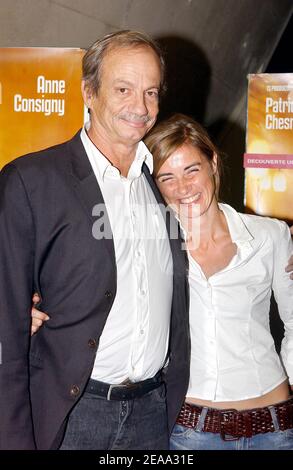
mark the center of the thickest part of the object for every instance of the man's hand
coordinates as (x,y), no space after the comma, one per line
(38,317)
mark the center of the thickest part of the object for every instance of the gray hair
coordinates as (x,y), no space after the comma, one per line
(93,58)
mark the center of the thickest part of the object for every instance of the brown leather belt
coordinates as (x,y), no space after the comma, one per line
(233,424)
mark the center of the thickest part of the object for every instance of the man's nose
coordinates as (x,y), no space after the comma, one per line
(139,105)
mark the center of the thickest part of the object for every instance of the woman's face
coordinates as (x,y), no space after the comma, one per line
(186,181)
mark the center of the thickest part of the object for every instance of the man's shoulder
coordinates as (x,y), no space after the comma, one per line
(45,157)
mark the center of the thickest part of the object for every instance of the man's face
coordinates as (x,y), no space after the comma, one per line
(126,105)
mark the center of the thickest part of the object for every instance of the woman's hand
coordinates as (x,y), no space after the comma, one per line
(38,317)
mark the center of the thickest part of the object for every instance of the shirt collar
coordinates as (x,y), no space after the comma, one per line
(104,165)
(237,228)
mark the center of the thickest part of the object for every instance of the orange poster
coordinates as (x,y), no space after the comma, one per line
(269,145)
(40,99)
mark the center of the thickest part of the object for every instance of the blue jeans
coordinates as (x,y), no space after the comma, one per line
(184,438)
(100,424)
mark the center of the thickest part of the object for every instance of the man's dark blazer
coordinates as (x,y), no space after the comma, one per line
(46,245)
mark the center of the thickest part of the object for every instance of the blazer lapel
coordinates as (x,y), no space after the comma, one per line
(172,226)
(87,188)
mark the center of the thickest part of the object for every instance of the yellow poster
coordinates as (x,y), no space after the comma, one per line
(40,99)
(269,145)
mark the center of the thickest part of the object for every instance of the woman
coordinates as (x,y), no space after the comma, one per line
(238,395)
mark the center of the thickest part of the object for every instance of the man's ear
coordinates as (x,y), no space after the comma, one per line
(86,94)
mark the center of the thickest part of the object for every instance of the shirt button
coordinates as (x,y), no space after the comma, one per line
(92,344)
(108,294)
(74,391)
(141,332)
(143,292)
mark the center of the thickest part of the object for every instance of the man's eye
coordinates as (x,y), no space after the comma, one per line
(152,93)
(123,90)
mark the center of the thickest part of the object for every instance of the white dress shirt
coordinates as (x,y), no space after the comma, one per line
(135,338)
(233,356)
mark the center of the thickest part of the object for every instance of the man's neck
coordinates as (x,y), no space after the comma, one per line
(120,155)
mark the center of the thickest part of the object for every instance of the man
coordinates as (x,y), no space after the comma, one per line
(93,377)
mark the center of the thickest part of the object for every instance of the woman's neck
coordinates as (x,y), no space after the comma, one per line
(212,226)
(214,248)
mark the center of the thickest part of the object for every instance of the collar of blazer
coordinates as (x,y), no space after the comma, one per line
(173,229)
(87,189)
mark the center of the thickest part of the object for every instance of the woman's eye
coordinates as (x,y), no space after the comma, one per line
(166,180)
(191,172)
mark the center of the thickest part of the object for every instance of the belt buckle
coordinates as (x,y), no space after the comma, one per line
(126,384)
(111,387)
(224,420)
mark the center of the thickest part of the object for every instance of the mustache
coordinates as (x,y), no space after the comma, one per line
(132,117)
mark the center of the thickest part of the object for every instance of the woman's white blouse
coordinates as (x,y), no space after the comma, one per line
(233,356)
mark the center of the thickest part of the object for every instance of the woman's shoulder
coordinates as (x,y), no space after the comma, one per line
(259,225)
(266,226)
